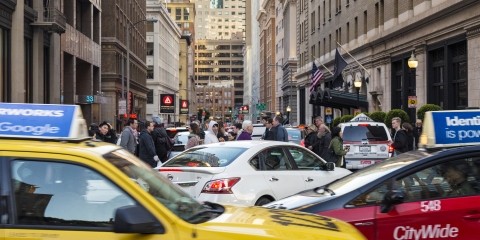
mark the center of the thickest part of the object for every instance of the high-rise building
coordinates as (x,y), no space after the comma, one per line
(163,64)
(50,53)
(219,44)
(124,30)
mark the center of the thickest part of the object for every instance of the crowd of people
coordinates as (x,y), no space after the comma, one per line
(151,143)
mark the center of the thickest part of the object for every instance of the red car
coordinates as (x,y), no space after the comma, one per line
(423,194)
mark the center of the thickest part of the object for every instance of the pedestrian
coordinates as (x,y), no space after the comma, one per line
(311,140)
(211,135)
(247,130)
(106,133)
(201,134)
(318,121)
(324,137)
(163,143)
(268,134)
(193,137)
(128,139)
(279,132)
(222,135)
(237,129)
(146,147)
(336,148)
(399,137)
(417,131)
(410,135)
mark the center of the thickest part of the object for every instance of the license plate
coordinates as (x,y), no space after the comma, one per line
(366,162)
(364,148)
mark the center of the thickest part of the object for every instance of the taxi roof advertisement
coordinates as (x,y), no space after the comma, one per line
(37,120)
(449,128)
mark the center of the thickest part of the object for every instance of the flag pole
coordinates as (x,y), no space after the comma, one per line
(321,64)
(364,69)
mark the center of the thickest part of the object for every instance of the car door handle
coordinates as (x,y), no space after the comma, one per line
(363,224)
(309,179)
(273,179)
(472,217)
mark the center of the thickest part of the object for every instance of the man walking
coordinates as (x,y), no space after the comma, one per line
(399,137)
(146,147)
(128,138)
(279,132)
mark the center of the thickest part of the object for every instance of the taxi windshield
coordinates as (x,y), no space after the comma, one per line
(153,183)
(367,175)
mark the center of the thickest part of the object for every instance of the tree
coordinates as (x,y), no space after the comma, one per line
(378,116)
(396,113)
(425,108)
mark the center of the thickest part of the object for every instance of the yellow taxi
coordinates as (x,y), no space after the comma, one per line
(57,183)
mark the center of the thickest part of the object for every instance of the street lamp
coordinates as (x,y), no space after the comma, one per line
(288,113)
(412,64)
(412,61)
(128,56)
(358,84)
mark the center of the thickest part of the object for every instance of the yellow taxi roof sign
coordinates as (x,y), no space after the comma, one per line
(42,121)
(450,128)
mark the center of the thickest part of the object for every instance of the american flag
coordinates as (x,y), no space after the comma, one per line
(316,76)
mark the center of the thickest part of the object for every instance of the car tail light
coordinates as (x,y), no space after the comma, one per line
(220,186)
(169,170)
(390,148)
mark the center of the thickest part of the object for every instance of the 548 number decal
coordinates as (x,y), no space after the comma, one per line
(430,206)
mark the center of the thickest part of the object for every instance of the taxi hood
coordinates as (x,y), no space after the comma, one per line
(300,200)
(272,224)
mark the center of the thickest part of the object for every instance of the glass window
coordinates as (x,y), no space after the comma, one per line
(305,160)
(455,178)
(365,132)
(52,193)
(274,159)
(206,157)
(178,14)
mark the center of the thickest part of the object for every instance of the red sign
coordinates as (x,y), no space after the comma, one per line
(167,103)
(183,106)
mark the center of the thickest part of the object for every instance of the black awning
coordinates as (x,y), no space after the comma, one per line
(338,99)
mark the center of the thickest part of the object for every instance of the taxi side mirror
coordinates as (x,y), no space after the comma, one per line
(329,166)
(391,198)
(136,219)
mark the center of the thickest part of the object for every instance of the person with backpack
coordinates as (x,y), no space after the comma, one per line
(163,143)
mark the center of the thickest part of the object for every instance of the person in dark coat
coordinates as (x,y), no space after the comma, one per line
(106,133)
(399,137)
(311,139)
(163,143)
(417,131)
(410,135)
(324,137)
(268,134)
(146,147)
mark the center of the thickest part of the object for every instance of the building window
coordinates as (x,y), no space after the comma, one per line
(150,96)
(178,14)
(186,14)
(448,84)
(150,74)
(149,48)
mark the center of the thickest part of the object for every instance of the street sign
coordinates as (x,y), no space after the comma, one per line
(328,111)
(183,106)
(122,107)
(412,101)
(167,103)
(328,119)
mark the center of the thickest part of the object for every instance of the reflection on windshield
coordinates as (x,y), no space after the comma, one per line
(367,175)
(159,187)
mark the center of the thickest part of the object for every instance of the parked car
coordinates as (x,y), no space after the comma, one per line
(248,172)
(295,135)
(172,131)
(258,130)
(369,142)
(179,142)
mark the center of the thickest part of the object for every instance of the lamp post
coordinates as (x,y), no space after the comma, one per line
(288,113)
(358,84)
(128,56)
(412,64)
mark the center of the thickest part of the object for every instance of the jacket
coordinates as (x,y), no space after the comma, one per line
(400,141)
(146,148)
(280,133)
(210,136)
(336,146)
(244,136)
(129,140)
(162,143)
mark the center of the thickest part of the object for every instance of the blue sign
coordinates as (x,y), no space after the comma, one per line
(454,127)
(36,120)
(328,119)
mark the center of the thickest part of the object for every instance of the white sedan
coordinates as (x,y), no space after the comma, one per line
(248,172)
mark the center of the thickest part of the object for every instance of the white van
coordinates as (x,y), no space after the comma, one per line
(369,142)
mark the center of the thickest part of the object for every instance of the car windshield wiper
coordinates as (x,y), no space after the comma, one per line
(206,212)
